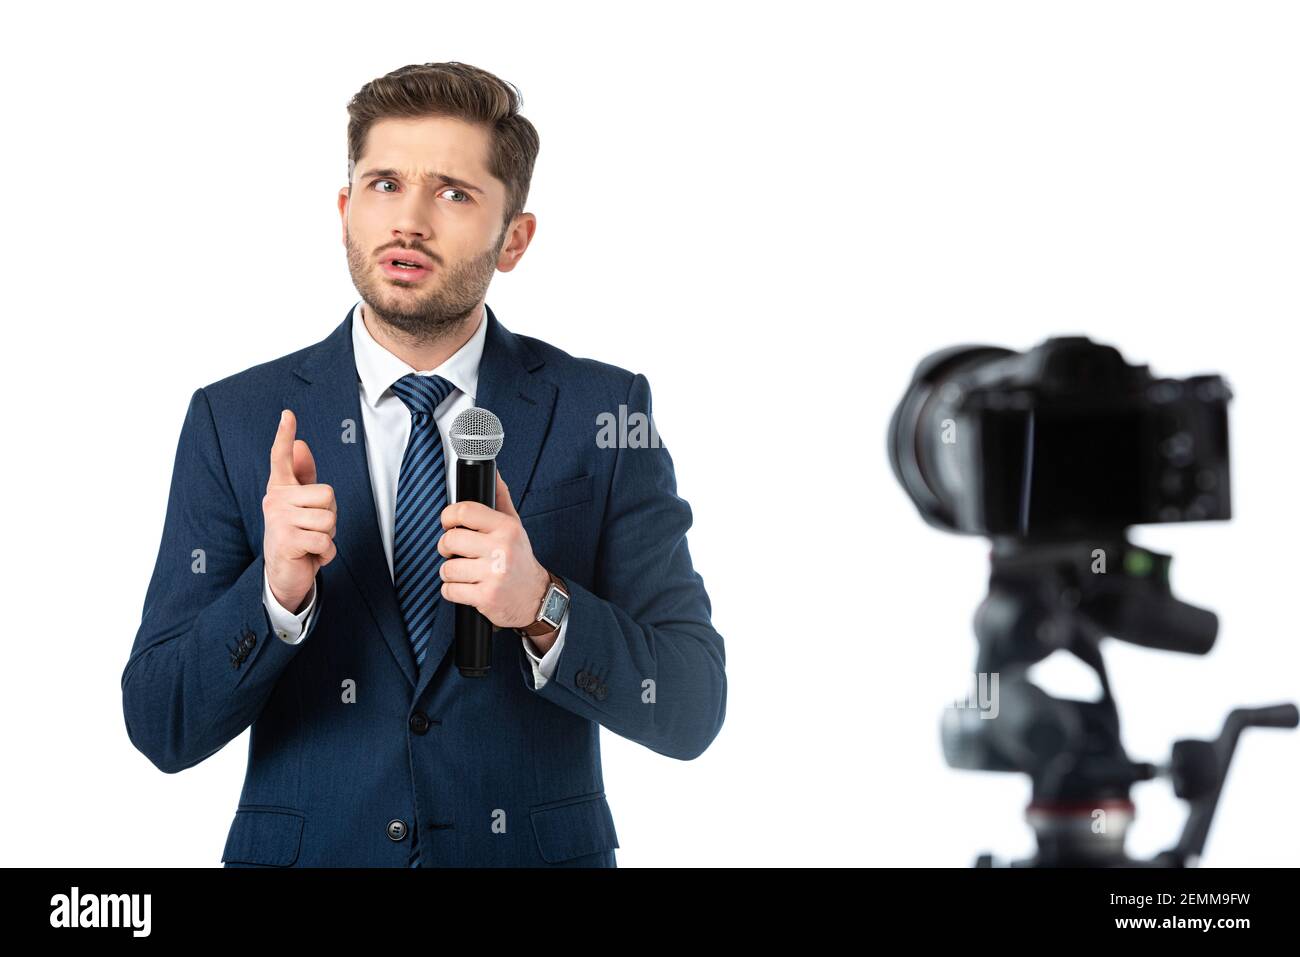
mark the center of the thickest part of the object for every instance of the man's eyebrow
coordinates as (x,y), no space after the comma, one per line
(443,177)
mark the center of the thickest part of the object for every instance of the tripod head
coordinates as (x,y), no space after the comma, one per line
(1066,596)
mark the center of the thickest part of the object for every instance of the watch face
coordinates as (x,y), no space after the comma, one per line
(555,605)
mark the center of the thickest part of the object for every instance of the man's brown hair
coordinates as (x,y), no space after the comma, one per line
(456,90)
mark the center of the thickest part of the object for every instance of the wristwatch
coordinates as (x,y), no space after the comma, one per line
(554,605)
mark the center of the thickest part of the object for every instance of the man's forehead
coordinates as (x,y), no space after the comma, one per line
(433,149)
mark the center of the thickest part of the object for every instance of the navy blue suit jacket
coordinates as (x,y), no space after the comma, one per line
(492,771)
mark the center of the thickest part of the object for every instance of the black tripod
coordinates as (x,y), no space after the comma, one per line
(1045,596)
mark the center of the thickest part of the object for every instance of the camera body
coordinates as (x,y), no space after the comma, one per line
(1059,442)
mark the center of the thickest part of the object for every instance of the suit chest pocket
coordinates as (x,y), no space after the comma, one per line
(552,498)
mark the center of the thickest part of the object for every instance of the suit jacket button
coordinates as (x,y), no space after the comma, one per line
(419,722)
(396,829)
(601,692)
(582,679)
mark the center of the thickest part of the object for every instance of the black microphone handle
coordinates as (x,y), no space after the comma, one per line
(476,481)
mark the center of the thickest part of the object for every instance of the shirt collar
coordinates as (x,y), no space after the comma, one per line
(378,368)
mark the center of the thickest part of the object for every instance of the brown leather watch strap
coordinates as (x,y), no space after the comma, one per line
(539,628)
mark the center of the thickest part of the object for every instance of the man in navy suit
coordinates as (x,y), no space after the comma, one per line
(368,747)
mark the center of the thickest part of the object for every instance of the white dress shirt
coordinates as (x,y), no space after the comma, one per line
(387,422)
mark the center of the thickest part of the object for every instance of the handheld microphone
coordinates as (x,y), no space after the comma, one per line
(476,438)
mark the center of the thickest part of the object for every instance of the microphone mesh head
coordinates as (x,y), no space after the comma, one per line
(476,434)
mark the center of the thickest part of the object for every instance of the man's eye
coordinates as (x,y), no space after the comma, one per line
(459,192)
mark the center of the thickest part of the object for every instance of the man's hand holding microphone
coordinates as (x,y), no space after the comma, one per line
(300,518)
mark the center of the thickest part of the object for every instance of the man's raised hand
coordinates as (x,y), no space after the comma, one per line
(300,518)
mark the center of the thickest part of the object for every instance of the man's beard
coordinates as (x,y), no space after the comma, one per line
(424,315)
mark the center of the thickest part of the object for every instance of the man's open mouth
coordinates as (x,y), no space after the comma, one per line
(404,268)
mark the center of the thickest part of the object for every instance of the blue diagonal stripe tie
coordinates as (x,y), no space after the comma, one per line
(417,527)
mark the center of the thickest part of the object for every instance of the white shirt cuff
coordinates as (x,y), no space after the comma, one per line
(289,627)
(544,667)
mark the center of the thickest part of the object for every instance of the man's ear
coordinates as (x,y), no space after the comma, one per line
(344,195)
(518,235)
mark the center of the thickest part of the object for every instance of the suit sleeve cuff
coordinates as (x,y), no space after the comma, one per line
(290,628)
(544,666)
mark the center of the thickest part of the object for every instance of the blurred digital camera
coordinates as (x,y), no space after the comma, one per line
(1063,441)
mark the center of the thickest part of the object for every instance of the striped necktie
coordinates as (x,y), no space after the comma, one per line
(421,497)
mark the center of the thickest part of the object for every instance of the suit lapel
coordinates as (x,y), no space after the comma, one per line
(325,395)
(328,396)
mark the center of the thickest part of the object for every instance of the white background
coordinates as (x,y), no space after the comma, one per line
(773,211)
